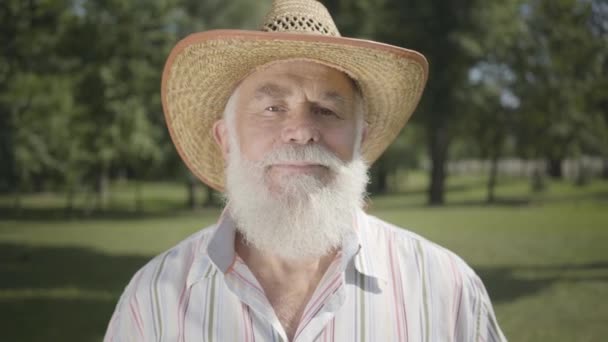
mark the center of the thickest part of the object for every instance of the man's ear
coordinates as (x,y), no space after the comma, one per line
(220,134)
(364,133)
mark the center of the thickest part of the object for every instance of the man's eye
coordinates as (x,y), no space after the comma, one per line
(325,112)
(274,109)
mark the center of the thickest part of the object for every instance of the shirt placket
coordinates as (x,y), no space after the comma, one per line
(329,296)
(245,286)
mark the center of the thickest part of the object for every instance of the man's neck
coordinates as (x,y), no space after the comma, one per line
(276,266)
(288,284)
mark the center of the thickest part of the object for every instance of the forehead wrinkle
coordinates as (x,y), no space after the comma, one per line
(335,97)
(272,90)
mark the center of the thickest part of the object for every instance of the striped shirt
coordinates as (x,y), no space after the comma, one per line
(386,284)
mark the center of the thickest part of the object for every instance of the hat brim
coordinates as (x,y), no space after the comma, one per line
(204,68)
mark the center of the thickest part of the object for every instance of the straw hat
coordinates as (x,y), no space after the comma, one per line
(204,68)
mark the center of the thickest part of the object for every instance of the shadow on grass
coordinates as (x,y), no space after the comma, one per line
(404,201)
(400,202)
(60,293)
(449,188)
(507,283)
(497,202)
(514,201)
(55,214)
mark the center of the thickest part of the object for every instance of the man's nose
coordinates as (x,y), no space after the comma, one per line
(300,128)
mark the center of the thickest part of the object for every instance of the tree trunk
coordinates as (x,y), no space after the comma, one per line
(582,178)
(381,182)
(438,155)
(554,167)
(139,205)
(492,179)
(605,169)
(38,184)
(101,189)
(380,178)
(19,187)
(538,181)
(17,201)
(210,199)
(191,188)
(69,202)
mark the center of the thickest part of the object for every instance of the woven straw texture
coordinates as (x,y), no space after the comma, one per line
(299,16)
(203,70)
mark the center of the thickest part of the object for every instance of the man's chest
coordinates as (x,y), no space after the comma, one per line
(289,306)
(358,311)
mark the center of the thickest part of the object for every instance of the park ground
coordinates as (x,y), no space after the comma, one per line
(543,256)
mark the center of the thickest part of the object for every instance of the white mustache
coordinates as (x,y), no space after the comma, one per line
(312,154)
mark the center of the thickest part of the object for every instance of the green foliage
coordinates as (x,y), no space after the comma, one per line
(80,99)
(83,100)
(514,76)
(438,29)
(41,118)
(559,63)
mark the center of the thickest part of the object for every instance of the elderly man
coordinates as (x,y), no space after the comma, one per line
(286,121)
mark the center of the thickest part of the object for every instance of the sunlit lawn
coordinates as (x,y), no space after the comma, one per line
(543,257)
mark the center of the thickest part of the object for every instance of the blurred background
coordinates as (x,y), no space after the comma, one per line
(505,161)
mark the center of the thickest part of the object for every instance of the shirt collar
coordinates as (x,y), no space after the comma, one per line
(370,258)
(219,251)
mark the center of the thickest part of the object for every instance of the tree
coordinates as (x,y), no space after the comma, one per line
(558,64)
(435,28)
(35,97)
(490,108)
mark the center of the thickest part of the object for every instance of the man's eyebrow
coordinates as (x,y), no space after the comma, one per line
(272,90)
(335,97)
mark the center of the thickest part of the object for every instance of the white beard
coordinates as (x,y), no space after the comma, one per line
(307,216)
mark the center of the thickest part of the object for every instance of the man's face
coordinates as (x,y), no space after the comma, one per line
(290,141)
(294,103)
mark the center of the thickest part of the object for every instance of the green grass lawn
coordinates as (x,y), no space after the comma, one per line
(543,257)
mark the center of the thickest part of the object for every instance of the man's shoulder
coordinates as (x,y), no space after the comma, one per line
(444,280)
(401,237)
(409,244)
(171,267)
